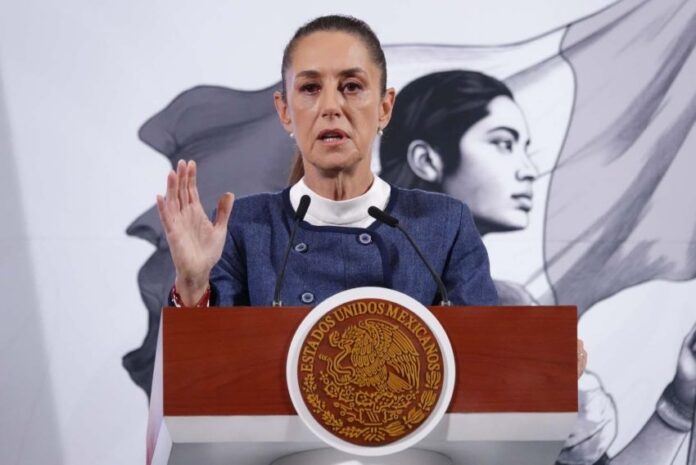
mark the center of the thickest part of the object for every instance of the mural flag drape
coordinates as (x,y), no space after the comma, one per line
(621,203)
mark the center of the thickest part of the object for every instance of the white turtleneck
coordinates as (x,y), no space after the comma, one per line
(346,213)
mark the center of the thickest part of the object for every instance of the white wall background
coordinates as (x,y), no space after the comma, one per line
(77,79)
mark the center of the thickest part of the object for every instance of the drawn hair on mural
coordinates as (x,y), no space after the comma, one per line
(438,109)
(462,133)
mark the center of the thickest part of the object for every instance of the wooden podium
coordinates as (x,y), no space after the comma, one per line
(219,393)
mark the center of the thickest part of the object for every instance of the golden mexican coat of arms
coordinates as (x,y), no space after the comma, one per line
(370,371)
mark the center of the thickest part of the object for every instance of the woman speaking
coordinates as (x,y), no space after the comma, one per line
(333,102)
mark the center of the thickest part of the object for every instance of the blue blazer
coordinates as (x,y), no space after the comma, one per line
(329,259)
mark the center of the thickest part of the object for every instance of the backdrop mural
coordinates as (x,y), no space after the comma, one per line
(567,127)
(614,113)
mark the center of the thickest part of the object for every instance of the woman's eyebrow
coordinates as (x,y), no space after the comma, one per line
(312,73)
(515,134)
(352,71)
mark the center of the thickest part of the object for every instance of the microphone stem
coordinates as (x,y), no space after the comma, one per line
(443,292)
(281,273)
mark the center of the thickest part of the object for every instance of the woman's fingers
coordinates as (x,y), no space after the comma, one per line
(184,220)
(172,196)
(224,209)
(180,183)
(181,186)
(163,214)
(182,175)
(192,182)
(193,241)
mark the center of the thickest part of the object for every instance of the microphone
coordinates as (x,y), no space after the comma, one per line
(299,216)
(389,220)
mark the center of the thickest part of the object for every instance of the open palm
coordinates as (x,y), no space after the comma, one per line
(195,242)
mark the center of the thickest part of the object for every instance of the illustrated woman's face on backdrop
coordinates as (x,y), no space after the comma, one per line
(334,103)
(495,175)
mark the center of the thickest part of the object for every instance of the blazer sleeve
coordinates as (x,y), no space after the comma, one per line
(228,279)
(467,274)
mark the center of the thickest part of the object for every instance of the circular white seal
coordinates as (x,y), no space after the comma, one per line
(296,384)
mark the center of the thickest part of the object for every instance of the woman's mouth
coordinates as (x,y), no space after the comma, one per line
(332,137)
(524,201)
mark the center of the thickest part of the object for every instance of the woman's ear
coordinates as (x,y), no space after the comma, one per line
(386,107)
(424,161)
(281,106)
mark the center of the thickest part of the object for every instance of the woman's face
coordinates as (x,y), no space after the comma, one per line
(495,175)
(334,105)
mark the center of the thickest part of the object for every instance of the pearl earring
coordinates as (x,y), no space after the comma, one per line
(292,135)
(380,131)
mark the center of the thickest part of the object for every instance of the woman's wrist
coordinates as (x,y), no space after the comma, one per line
(205,300)
(190,290)
(673,412)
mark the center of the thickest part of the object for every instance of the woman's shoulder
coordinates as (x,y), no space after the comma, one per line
(261,198)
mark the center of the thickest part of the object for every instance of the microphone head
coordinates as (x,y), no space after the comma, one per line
(302,208)
(382,217)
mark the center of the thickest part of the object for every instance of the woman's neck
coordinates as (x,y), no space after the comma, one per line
(342,186)
(345,213)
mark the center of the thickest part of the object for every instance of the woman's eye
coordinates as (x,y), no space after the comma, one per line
(351,87)
(309,88)
(503,145)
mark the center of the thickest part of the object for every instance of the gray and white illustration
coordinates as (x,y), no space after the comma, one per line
(575,147)
(461,132)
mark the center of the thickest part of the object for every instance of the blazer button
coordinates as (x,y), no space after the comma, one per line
(307,297)
(365,239)
(301,247)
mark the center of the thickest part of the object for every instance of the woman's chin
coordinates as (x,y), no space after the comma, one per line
(511,221)
(334,163)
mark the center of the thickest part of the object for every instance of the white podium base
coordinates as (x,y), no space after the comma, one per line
(336,457)
(468,439)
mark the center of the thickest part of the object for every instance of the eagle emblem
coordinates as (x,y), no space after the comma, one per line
(379,356)
(370,372)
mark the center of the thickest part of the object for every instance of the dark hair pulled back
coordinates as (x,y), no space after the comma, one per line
(437,108)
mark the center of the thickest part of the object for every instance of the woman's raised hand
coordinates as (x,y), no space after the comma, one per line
(194,241)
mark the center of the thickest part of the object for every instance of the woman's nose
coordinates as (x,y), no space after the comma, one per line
(526,170)
(330,103)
